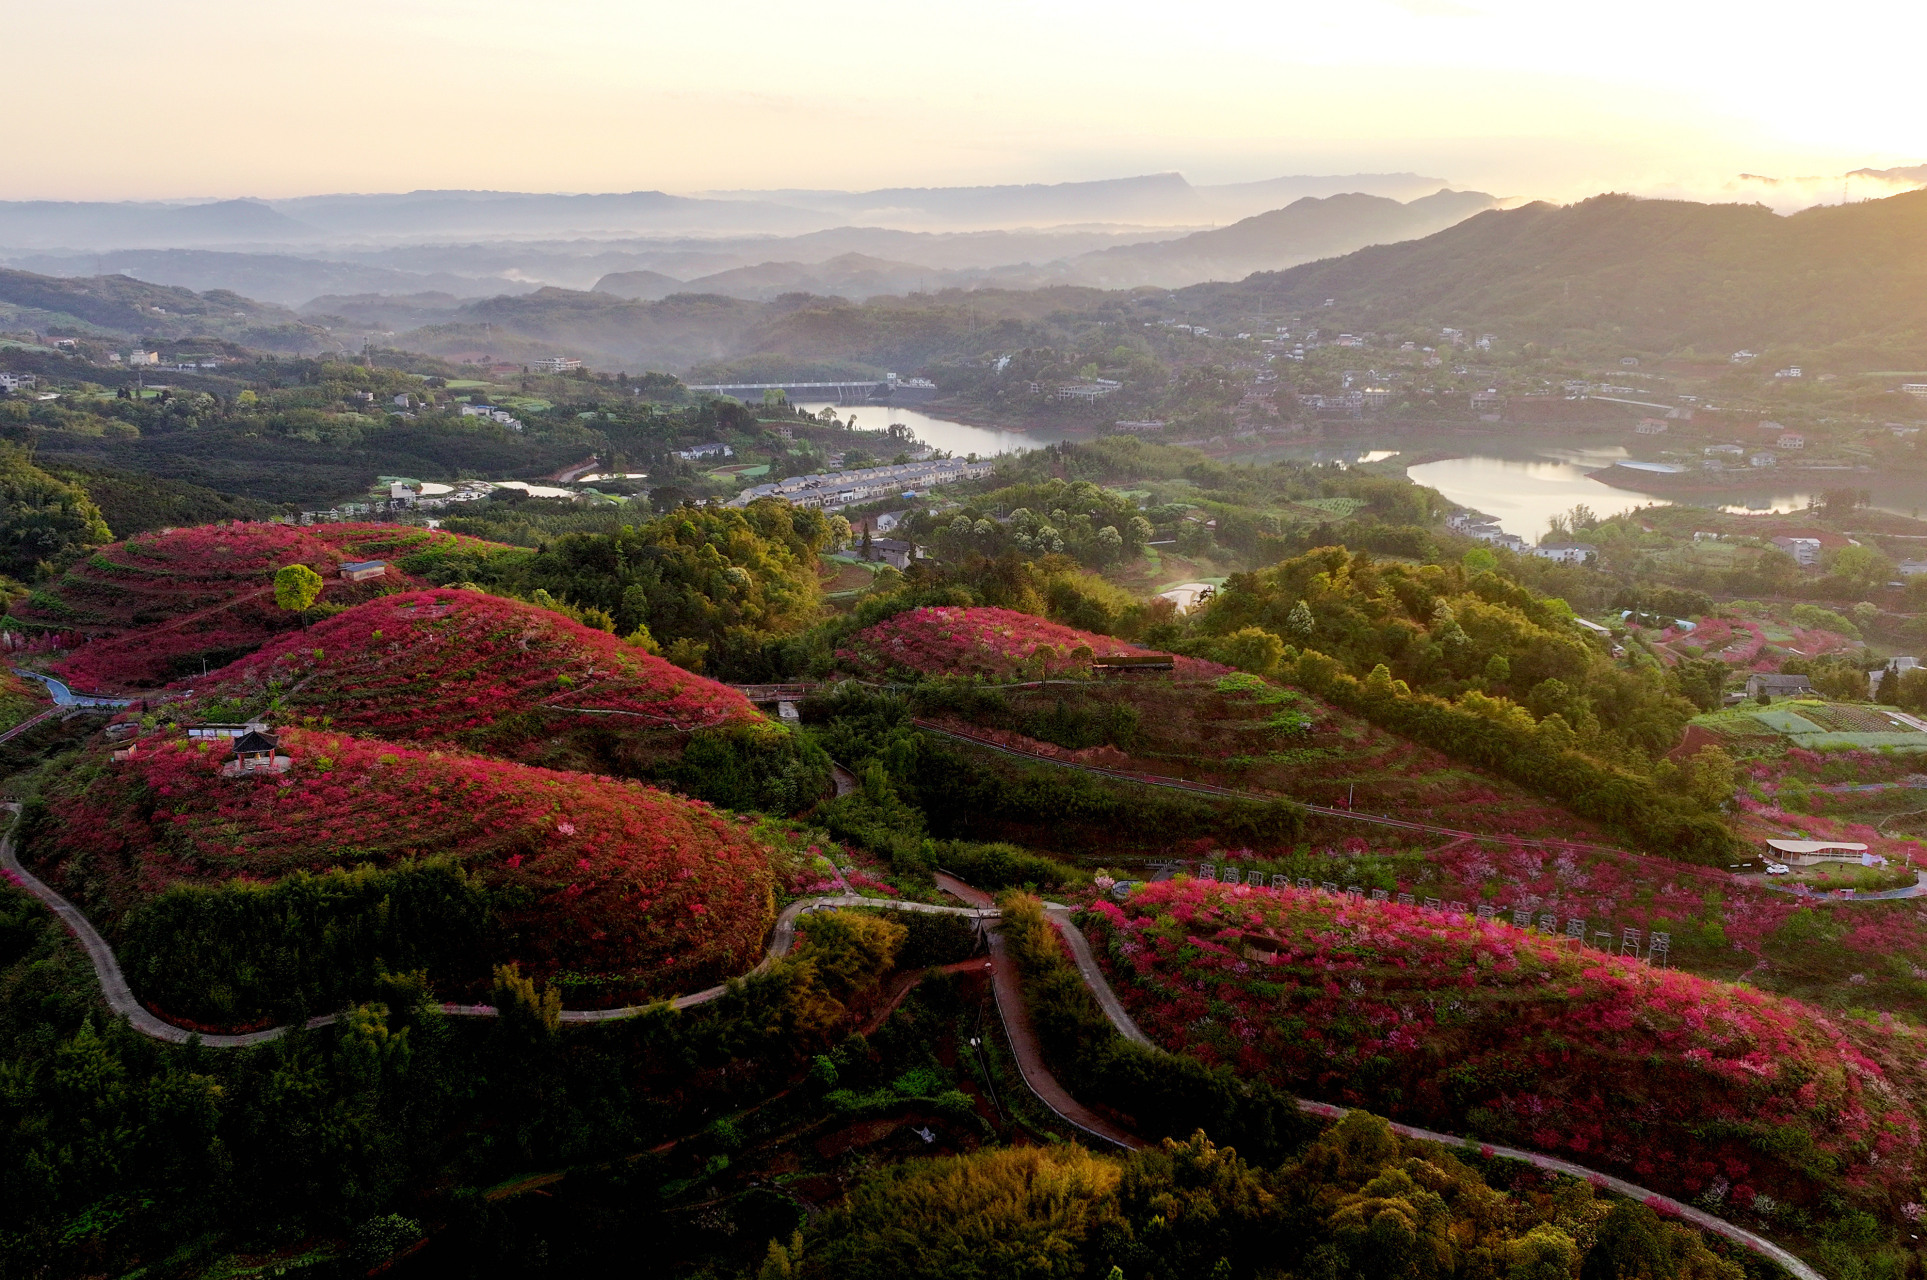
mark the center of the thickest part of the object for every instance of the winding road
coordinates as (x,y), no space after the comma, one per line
(1011,1008)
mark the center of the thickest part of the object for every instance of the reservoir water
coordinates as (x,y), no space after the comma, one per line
(957,438)
(1524,483)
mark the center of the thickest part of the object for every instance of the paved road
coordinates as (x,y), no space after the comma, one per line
(1011,1009)
(66,697)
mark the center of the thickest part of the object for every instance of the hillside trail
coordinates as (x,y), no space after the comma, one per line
(1011,1007)
(1209,789)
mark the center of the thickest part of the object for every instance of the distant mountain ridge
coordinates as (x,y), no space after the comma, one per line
(1304,230)
(1660,274)
(1308,228)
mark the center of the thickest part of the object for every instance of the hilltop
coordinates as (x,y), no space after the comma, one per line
(494,675)
(1655,274)
(1303,230)
(975,641)
(625,888)
(158,606)
(1694,1086)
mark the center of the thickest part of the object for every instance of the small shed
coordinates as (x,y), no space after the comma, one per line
(362,570)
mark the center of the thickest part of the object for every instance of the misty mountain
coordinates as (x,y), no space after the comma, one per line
(67,224)
(1655,275)
(433,214)
(645,286)
(849,275)
(118,306)
(383,312)
(606,331)
(1152,199)
(271,277)
(1302,231)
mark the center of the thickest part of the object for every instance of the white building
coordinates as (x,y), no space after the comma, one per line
(1805,551)
(143,357)
(556,364)
(1762,460)
(1651,427)
(1793,440)
(714,449)
(17,381)
(1566,552)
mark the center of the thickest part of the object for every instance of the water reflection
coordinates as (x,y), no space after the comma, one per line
(959,438)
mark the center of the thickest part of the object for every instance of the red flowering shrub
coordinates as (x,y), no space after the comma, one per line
(595,876)
(154,606)
(476,669)
(986,642)
(1480,1027)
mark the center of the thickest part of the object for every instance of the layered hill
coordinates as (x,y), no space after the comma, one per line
(155,608)
(614,885)
(479,671)
(1657,274)
(1300,232)
(1692,1086)
(977,641)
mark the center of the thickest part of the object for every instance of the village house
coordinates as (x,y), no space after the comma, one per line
(362,570)
(1805,551)
(1777,686)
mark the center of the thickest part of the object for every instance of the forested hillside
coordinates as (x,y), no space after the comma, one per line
(1652,275)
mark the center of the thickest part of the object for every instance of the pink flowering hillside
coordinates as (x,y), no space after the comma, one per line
(460,666)
(1687,1085)
(594,877)
(155,607)
(940,641)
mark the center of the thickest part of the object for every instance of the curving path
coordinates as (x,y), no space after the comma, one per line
(1011,1008)
(120,996)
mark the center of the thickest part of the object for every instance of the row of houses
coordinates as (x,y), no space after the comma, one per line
(866,484)
(1485,529)
(493,414)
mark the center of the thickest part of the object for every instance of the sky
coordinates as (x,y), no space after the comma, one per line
(1526,98)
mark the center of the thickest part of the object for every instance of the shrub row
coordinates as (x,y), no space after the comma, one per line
(1669,825)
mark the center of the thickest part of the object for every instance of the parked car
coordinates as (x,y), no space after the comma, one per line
(1777,868)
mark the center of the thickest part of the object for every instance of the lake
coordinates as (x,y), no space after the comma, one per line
(958,438)
(1524,483)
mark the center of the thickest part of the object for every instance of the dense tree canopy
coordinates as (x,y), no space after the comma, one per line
(42,519)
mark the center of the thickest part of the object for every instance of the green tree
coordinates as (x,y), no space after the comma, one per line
(1631,1246)
(295,587)
(1252,649)
(43,520)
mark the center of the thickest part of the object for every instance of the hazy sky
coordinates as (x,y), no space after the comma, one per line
(116,99)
